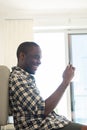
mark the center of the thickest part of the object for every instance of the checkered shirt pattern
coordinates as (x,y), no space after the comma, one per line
(27,106)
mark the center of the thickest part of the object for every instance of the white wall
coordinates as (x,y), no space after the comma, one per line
(12,33)
(66,19)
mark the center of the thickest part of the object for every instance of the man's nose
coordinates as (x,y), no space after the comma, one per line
(39,61)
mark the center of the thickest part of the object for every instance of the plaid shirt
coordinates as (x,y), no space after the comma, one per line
(27,106)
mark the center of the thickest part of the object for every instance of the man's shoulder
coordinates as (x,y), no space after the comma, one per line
(19,73)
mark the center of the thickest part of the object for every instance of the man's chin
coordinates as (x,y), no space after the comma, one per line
(31,71)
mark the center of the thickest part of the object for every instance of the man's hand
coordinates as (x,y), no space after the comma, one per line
(68,74)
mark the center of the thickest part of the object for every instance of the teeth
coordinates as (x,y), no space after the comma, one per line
(35,66)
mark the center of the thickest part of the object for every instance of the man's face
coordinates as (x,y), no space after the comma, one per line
(32,59)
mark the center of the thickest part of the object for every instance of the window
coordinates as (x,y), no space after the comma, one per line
(49,74)
(78,56)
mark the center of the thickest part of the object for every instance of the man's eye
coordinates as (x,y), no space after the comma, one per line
(37,57)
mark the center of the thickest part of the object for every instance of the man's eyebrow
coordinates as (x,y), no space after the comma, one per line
(37,56)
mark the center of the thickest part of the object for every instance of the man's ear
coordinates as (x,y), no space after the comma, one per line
(22,56)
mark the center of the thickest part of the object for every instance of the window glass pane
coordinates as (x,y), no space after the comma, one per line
(79,86)
(49,74)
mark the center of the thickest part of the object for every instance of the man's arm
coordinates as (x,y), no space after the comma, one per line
(53,100)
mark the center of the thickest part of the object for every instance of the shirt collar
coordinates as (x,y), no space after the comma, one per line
(17,68)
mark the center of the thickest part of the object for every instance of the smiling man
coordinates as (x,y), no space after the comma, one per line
(29,56)
(28,108)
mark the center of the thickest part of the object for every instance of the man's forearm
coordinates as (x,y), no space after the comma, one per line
(53,100)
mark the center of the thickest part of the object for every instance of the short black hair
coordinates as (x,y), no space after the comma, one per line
(24,47)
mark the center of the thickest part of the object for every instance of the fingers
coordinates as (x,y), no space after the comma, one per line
(71,67)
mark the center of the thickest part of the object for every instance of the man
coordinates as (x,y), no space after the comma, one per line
(29,110)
